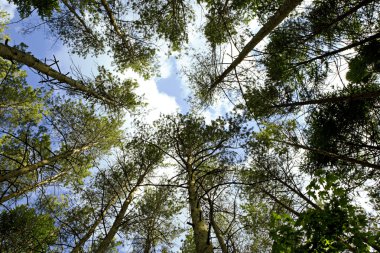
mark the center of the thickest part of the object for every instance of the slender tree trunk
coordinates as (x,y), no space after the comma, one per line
(218,234)
(287,207)
(88,234)
(119,218)
(273,22)
(332,155)
(355,44)
(320,29)
(51,160)
(200,228)
(32,187)
(81,20)
(116,27)
(296,191)
(13,54)
(353,97)
(147,245)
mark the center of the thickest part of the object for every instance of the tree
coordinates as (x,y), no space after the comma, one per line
(137,161)
(22,229)
(322,218)
(111,30)
(44,8)
(28,154)
(287,171)
(106,88)
(198,149)
(275,20)
(154,226)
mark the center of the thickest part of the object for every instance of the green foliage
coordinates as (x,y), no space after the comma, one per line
(219,29)
(195,138)
(167,19)
(339,127)
(256,221)
(155,227)
(282,210)
(332,227)
(225,17)
(45,8)
(188,245)
(19,102)
(365,66)
(36,127)
(24,230)
(115,89)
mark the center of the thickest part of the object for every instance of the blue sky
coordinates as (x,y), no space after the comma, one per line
(165,94)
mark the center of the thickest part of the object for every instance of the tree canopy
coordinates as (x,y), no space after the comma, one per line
(292,164)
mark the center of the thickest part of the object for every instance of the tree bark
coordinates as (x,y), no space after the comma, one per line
(51,160)
(116,27)
(13,54)
(219,235)
(147,245)
(32,187)
(88,234)
(273,22)
(354,97)
(332,155)
(355,44)
(200,228)
(119,218)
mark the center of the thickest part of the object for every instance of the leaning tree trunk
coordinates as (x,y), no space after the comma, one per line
(49,161)
(218,234)
(88,234)
(13,54)
(273,22)
(32,187)
(119,218)
(331,100)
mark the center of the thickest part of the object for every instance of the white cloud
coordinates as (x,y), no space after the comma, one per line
(220,108)
(158,102)
(166,68)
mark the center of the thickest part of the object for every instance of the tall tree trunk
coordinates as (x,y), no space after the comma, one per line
(355,44)
(81,20)
(13,54)
(51,160)
(320,29)
(119,218)
(32,187)
(218,234)
(99,219)
(287,207)
(332,155)
(353,97)
(116,27)
(200,228)
(273,22)
(148,245)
